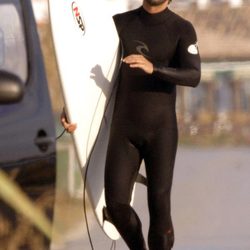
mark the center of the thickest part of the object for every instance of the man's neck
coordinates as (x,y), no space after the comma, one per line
(154,9)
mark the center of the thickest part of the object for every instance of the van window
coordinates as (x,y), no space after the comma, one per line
(13,54)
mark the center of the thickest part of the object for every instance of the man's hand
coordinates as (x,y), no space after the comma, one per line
(139,61)
(70,127)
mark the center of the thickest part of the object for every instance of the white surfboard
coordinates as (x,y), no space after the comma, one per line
(87,51)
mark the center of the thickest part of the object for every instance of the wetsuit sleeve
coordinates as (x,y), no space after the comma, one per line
(187,58)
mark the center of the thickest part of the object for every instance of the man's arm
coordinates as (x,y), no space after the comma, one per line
(188,71)
(186,77)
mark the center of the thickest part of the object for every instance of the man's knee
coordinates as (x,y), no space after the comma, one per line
(128,224)
(118,212)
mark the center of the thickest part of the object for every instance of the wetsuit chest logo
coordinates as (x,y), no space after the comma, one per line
(142,48)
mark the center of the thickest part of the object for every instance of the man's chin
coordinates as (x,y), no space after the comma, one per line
(156,2)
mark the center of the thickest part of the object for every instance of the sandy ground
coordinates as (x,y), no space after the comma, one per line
(210,205)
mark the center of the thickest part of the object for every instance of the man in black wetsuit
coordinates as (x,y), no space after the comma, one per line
(160,52)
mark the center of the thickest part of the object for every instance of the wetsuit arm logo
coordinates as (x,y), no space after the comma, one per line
(193,49)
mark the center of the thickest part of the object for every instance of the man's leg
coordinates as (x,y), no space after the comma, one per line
(122,164)
(159,160)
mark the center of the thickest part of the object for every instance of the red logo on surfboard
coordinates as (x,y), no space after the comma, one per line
(78,17)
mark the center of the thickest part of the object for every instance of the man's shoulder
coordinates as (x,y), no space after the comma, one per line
(127,14)
(179,20)
(122,19)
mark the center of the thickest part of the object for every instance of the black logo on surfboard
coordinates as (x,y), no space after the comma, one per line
(78,17)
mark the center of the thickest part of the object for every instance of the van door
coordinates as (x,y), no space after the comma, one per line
(27,134)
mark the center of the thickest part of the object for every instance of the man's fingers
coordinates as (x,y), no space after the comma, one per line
(133,59)
(136,65)
(69,127)
(139,61)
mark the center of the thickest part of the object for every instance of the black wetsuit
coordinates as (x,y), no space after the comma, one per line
(144,121)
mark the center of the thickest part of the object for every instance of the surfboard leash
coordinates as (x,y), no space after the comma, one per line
(59,136)
(87,168)
(113,245)
(84,199)
(85,206)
